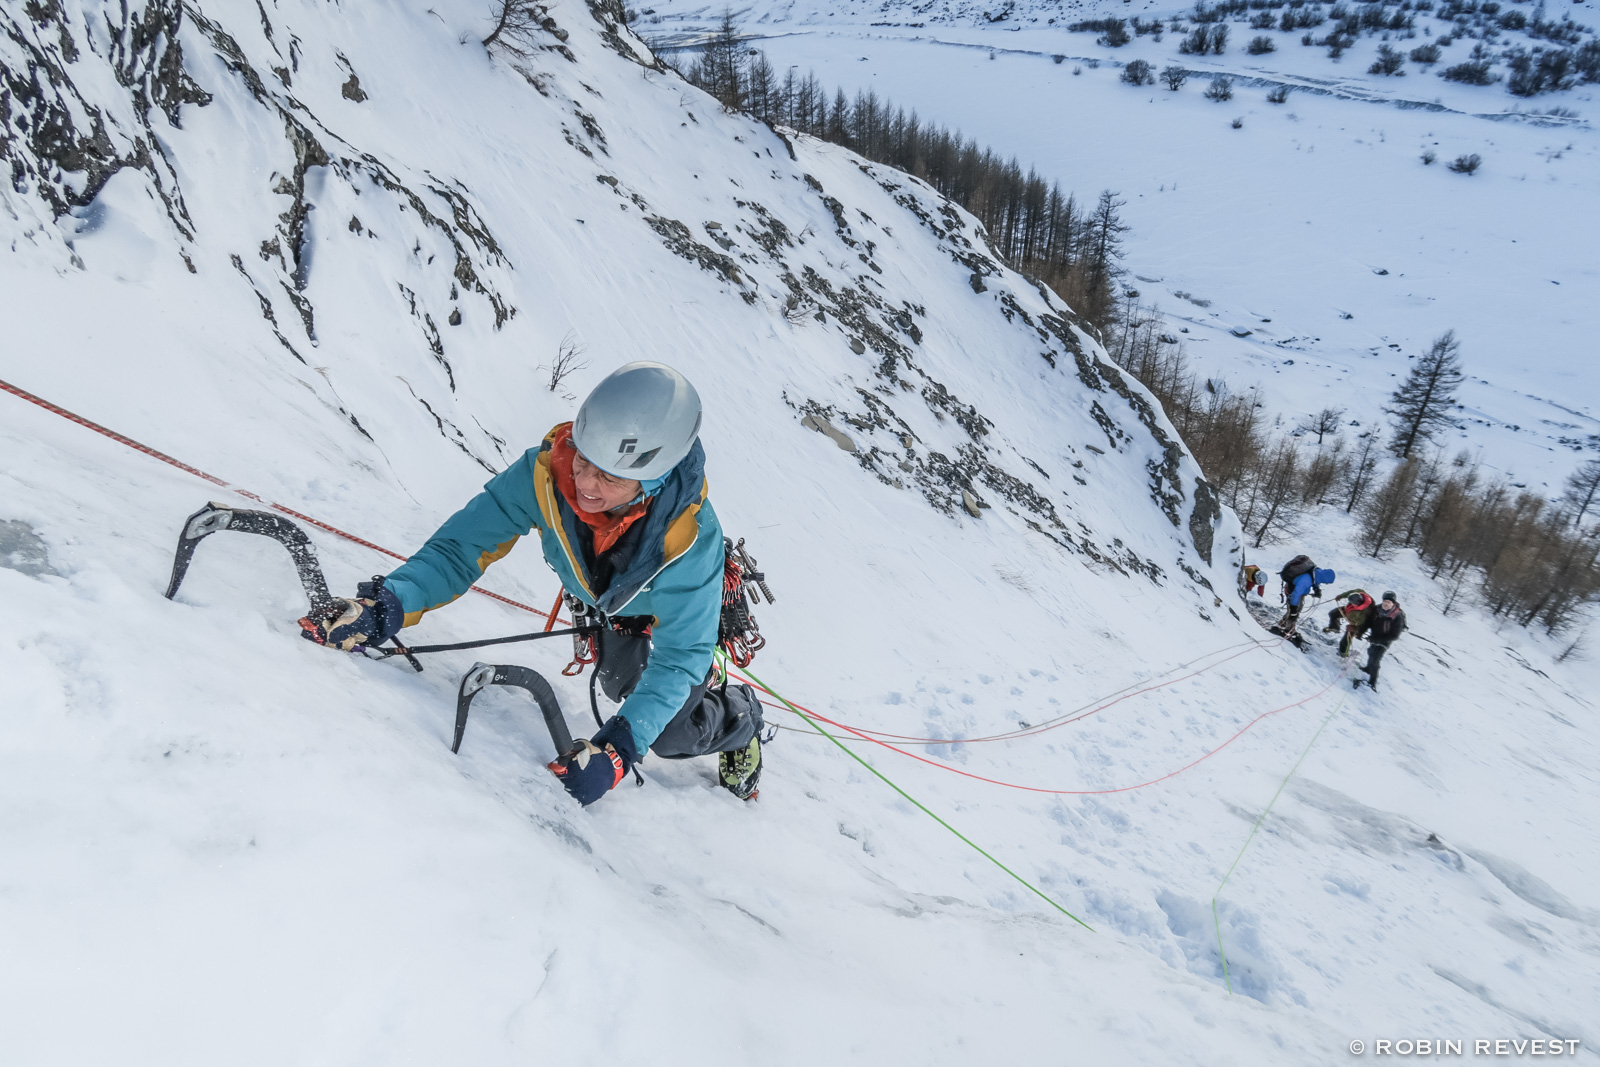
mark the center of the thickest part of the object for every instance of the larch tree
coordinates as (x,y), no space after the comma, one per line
(1103,243)
(1325,422)
(1421,406)
(1385,510)
(1362,466)
(1582,491)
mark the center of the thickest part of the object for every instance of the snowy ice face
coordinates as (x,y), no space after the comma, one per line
(597,490)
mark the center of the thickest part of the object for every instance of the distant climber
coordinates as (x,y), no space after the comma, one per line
(1355,609)
(620,501)
(1252,578)
(1388,623)
(1300,577)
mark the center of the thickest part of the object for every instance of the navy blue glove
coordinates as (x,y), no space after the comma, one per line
(593,768)
(374,616)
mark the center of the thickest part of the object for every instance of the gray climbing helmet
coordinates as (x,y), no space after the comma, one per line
(639,422)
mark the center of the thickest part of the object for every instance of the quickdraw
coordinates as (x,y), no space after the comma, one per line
(738,635)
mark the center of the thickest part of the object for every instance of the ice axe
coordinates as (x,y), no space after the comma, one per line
(483,675)
(215,517)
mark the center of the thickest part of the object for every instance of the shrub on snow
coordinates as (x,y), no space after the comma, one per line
(1138,72)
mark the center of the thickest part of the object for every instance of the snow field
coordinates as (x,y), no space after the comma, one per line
(223,843)
(365,831)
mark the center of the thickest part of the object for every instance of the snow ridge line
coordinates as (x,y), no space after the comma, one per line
(815,717)
(121,439)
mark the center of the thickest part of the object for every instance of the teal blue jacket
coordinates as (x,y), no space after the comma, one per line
(667,565)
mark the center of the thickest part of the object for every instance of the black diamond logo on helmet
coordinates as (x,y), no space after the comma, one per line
(644,459)
(627,445)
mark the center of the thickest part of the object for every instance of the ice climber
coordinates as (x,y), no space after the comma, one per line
(1300,576)
(1254,578)
(1355,609)
(1388,623)
(619,498)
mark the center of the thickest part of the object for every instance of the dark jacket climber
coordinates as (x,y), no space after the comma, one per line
(1388,623)
(620,500)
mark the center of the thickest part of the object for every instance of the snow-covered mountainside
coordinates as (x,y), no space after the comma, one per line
(1309,250)
(330,253)
(392,270)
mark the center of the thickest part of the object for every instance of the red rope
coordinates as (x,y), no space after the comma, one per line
(335,530)
(1070,718)
(114,435)
(17,391)
(1060,792)
(865,735)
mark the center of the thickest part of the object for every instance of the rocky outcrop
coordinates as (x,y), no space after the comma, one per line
(61,145)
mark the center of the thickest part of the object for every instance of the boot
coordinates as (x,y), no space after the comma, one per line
(1372,681)
(740,770)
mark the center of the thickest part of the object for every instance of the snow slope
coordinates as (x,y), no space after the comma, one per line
(1315,225)
(222,844)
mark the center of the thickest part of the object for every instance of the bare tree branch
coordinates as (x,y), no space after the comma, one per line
(568,359)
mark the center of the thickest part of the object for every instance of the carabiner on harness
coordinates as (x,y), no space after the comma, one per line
(586,618)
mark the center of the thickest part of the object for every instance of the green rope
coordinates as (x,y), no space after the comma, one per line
(1214,918)
(816,726)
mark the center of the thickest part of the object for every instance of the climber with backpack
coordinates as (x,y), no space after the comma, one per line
(620,501)
(1355,608)
(1300,577)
